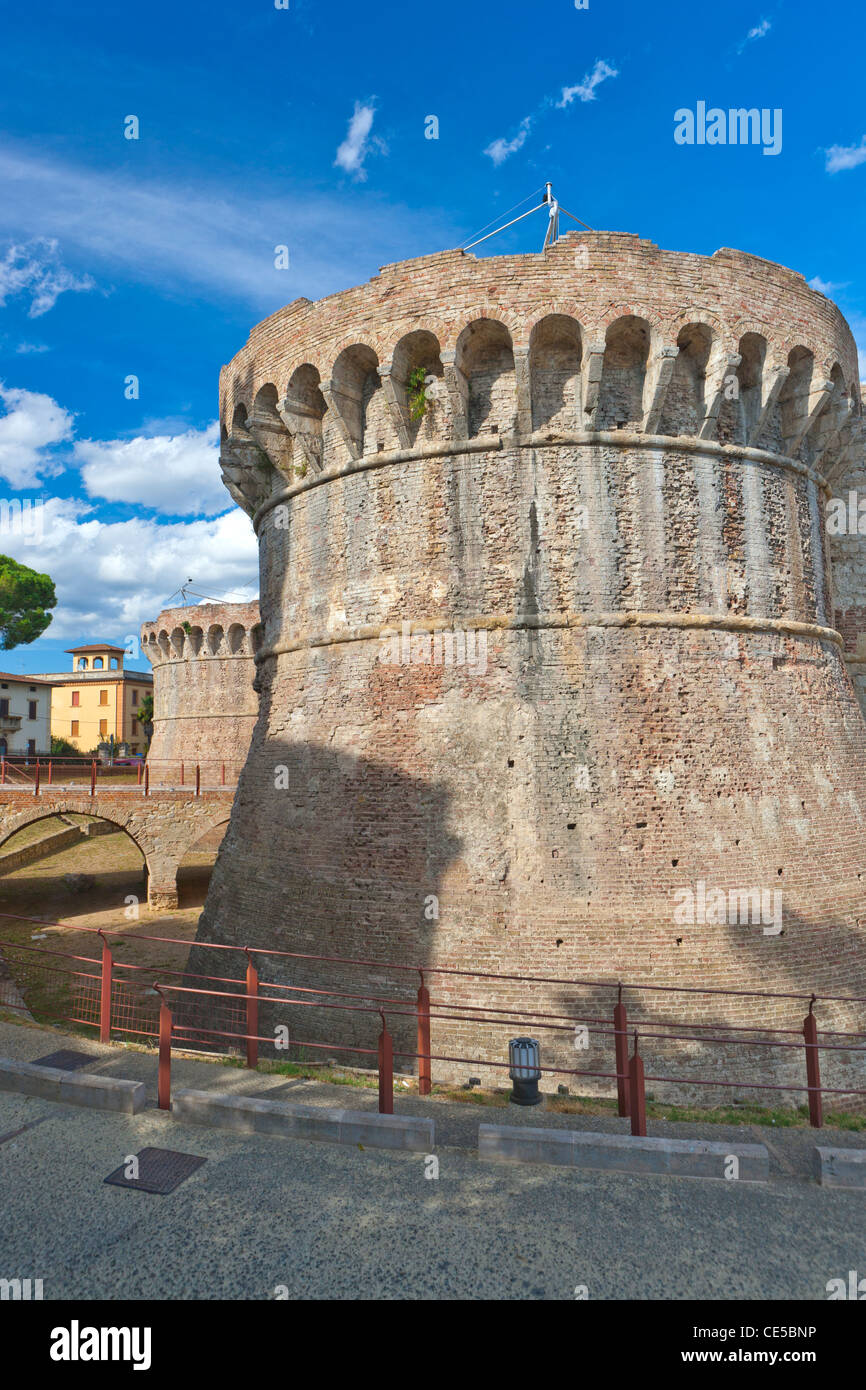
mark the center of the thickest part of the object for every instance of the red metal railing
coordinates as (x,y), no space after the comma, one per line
(71,772)
(222,1012)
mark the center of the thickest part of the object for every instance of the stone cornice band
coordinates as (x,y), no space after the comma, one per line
(724,622)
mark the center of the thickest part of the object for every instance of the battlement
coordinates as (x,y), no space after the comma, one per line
(603,332)
(202,632)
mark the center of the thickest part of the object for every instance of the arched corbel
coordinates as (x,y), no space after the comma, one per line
(775,385)
(662,375)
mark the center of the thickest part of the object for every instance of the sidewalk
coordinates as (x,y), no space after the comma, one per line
(457,1122)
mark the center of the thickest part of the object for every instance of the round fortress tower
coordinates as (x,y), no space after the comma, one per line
(204,704)
(547,628)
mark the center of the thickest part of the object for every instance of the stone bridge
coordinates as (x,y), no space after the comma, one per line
(164,825)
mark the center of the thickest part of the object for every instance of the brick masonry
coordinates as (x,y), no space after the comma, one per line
(653,696)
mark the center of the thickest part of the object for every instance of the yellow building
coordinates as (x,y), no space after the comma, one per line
(98,699)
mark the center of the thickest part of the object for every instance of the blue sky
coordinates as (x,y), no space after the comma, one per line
(305,127)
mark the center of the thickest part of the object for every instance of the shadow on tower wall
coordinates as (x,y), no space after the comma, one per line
(340,856)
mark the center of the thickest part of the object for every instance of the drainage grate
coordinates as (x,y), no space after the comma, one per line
(66,1060)
(159,1170)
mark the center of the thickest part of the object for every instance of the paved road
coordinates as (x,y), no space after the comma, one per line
(326,1221)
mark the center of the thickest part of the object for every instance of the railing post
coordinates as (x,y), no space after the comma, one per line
(424,1074)
(620,1030)
(637,1095)
(36,782)
(813,1068)
(163,1086)
(139,774)
(223,775)
(147,779)
(181,774)
(3,770)
(252,1012)
(93,777)
(105,994)
(386,1070)
(49,772)
(197,780)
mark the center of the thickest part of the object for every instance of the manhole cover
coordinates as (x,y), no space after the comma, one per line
(159,1170)
(66,1060)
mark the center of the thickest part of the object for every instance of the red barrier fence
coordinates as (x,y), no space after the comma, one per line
(60,773)
(219,1012)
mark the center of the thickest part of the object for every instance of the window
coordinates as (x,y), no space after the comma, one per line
(135,748)
(113,664)
(4,709)
(4,686)
(31,745)
(97,663)
(135,726)
(82,663)
(103,697)
(74,730)
(31,709)
(33,687)
(103,726)
(135,697)
(76,697)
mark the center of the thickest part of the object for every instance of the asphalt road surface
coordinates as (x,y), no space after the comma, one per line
(266,1217)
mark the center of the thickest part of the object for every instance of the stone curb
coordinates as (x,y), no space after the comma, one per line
(624,1153)
(252,1115)
(840,1168)
(73,1088)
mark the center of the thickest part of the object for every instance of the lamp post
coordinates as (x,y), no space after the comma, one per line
(524,1071)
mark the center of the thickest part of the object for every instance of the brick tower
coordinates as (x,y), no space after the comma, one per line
(204,704)
(547,629)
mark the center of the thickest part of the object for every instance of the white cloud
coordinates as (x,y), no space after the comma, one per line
(760,31)
(828,287)
(174,474)
(210,240)
(499,150)
(112,576)
(845,156)
(34,269)
(585,90)
(33,424)
(358,144)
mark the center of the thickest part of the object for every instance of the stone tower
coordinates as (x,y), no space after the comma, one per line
(548,632)
(204,704)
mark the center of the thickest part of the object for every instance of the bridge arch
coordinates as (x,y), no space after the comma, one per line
(163,827)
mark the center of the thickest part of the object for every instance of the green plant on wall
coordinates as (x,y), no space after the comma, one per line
(417,385)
